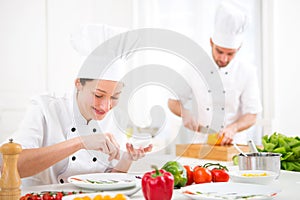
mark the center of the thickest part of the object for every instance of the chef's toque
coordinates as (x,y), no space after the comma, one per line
(113,72)
(86,40)
(230,25)
(90,36)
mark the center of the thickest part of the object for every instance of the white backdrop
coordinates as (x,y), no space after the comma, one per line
(35,52)
(36,55)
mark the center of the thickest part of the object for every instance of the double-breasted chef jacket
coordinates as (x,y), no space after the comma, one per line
(50,119)
(242,96)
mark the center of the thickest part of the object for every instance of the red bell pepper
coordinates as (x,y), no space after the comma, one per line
(158,184)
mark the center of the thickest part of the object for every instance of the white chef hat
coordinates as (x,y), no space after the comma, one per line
(86,40)
(114,71)
(230,24)
(90,36)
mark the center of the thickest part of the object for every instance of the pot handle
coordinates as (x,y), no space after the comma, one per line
(252,146)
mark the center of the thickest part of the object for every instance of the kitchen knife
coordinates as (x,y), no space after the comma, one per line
(207,130)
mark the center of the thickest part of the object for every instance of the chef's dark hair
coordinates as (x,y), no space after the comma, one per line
(84,80)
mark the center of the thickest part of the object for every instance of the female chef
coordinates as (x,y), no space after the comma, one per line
(60,136)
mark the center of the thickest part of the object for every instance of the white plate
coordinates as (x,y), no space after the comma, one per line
(103,181)
(228,190)
(91,195)
(252,176)
(289,177)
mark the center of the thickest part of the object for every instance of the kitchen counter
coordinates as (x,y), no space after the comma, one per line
(288,182)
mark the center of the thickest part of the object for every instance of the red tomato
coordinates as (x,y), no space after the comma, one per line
(28,196)
(202,175)
(59,196)
(189,174)
(219,175)
(47,196)
(36,197)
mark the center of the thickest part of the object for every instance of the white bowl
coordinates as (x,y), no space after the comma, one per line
(253,176)
(141,140)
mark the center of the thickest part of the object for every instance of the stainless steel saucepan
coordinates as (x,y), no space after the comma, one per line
(260,161)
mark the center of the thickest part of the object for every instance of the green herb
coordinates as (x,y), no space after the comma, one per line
(289,147)
(102,181)
(106,181)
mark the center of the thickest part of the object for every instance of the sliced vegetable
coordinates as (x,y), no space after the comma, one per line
(235,159)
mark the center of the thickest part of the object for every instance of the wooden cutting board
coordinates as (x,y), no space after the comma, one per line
(210,152)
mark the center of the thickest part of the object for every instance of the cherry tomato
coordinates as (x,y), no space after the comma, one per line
(36,197)
(47,196)
(219,172)
(219,175)
(26,196)
(202,175)
(58,196)
(190,175)
(30,196)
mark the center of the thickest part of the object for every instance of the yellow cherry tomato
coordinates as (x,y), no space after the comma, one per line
(98,197)
(77,198)
(119,197)
(107,197)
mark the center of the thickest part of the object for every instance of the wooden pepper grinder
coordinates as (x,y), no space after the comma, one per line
(10,181)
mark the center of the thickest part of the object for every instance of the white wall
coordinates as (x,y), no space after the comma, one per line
(22,58)
(64,17)
(35,51)
(286,67)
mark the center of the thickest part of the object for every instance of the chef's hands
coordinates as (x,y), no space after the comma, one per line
(227,133)
(136,154)
(189,121)
(104,142)
(107,144)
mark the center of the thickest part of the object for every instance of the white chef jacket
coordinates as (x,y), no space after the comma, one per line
(50,120)
(242,96)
